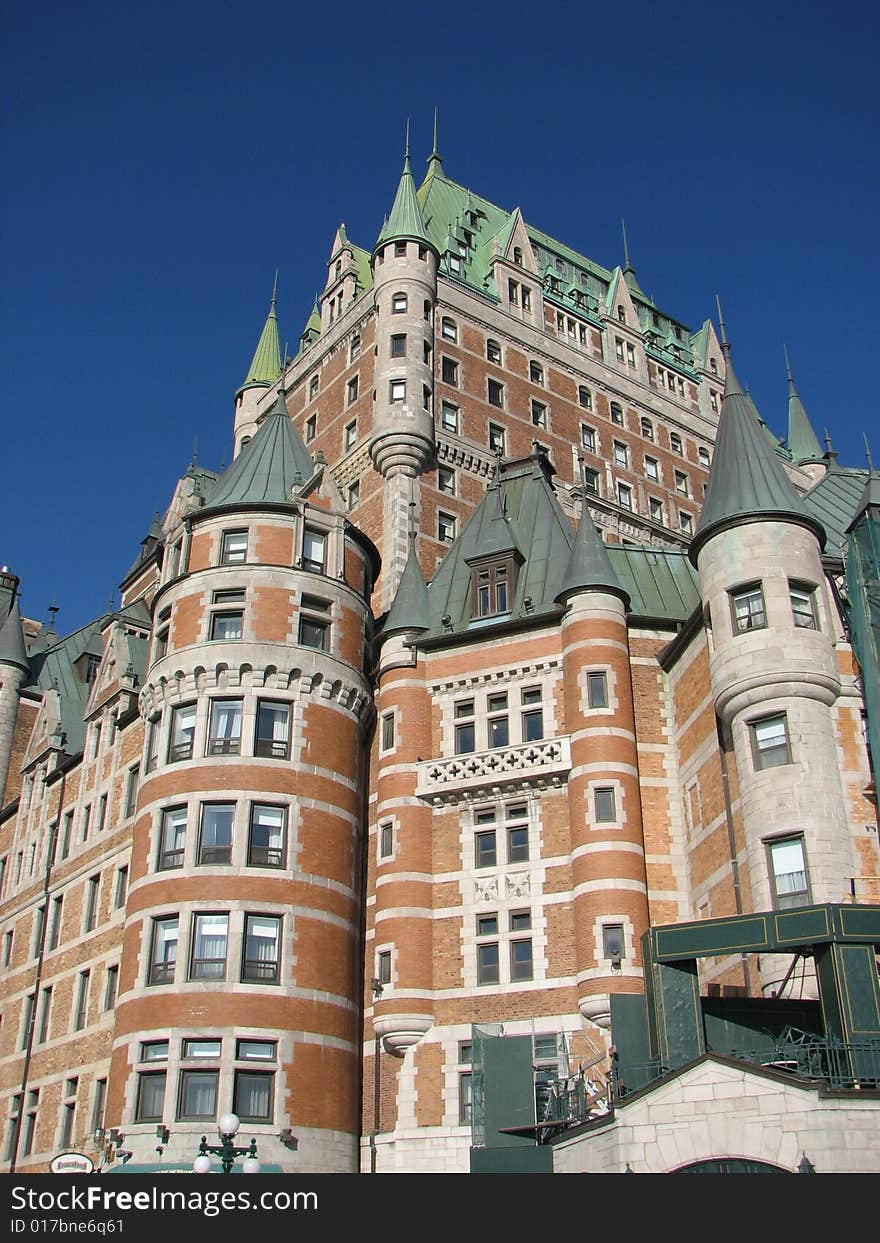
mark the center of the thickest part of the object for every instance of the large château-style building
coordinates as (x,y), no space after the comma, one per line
(476,762)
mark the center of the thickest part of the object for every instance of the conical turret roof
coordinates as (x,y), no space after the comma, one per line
(802,441)
(747,481)
(12,648)
(406,219)
(267,468)
(589,566)
(410,608)
(265,365)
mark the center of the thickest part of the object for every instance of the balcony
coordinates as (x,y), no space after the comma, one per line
(530,763)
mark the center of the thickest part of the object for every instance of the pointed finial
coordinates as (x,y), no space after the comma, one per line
(275,289)
(725,344)
(406,167)
(628,267)
(868,453)
(829,448)
(434,151)
(787,363)
(195,460)
(52,610)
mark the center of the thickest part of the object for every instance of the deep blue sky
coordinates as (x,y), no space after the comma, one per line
(161,161)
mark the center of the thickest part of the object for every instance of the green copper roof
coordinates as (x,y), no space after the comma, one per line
(12,648)
(834,501)
(405,220)
(747,481)
(410,608)
(267,468)
(265,365)
(588,565)
(863,591)
(661,583)
(542,538)
(802,443)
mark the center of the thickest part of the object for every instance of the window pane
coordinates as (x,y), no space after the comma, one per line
(261,949)
(256,1050)
(605,804)
(209,947)
(164,955)
(183,728)
(151,1097)
(597,688)
(253,1096)
(267,836)
(499,732)
(198,1093)
(201,1048)
(225,729)
(313,550)
(486,855)
(226,626)
(533,725)
(487,964)
(464,739)
(313,633)
(517,845)
(521,960)
(215,842)
(173,838)
(273,730)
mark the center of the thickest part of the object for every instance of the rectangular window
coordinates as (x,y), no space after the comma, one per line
(183,728)
(585,397)
(98,1103)
(533,716)
(262,947)
(521,967)
(499,728)
(652,469)
(255,1050)
(448,330)
(446,480)
(387,731)
(588,438)
(351,392)
(154,1050)
(314,631)
(215,833)
(27,1017)
(465,1098)
(445,528)
(383,966)
(448,417)
(30,1123)
(87,815)
(351,435)
(675,442)
(621,454)
(617,413)
(266,841)
(198,1094)
(152,746)
(491,588)
(272,739)
(55,923)
(173,839)
(121,890)
(398,304)
(449,371)
(612,941)
(497,439)
(788,872)
(493,351)
(150,1096)
(208,957)
(495,393)
(487,963)
(7,947)
(655,508)
(66,834)
(465,737)
(681,483)
(591,480)
(630,355)
(81,1004)
(355,348)
(770,745)
(605,804)
(131,789)
(803,605)
(163,951)
(397,391)
(747,605)
(354,493)
(386,841)
(398,345)
(624,496)
(703,455)
(618,348)
(45,1011)
(518,843)
(314,550)
(597,690)
(486,852)
(539,414)
(224,730)
(233,547)
(686,522)
(201,1050)
(252,1098)
(91,903)
(311,425)
(111,987)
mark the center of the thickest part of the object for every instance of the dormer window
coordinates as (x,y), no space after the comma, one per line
(492,586)
(517,255)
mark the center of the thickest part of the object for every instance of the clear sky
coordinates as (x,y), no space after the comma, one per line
(160,161)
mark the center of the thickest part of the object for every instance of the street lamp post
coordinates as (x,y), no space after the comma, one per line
(226,1150)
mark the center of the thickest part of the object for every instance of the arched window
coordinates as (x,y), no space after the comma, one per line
(398,304)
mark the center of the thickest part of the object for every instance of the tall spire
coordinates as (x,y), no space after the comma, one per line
(266,362)
(12,648)
(802,441)
(435,160)
(589,566)
(405,221)
(747,482)
(409,610)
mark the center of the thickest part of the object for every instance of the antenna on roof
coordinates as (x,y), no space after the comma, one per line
(53,609)
(628,267)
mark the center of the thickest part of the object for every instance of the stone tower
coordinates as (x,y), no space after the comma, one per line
(773,667)
(404,263)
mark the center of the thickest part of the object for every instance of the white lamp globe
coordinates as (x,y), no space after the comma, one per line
(228,1124)
(250,1165)
(202,1165)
